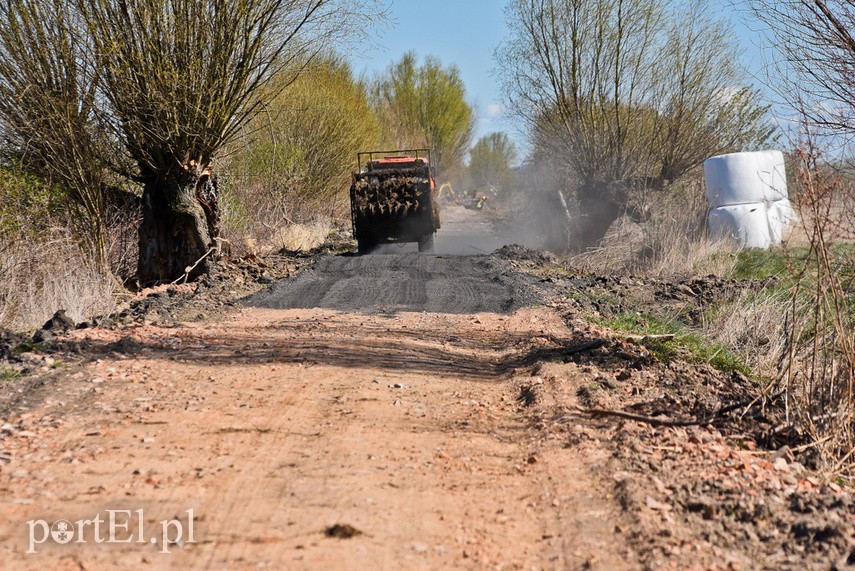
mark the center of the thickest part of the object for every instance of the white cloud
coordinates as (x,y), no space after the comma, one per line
(493,110)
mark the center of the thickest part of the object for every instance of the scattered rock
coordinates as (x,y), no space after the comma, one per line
(43,336)
(59,322)
(342,531)
(657,505)
(527,396)
(704,506)
(781,465)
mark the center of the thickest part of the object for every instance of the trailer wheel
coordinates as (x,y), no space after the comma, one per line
(426,243)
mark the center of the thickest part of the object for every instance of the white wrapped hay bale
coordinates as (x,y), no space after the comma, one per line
(746,224)
(747,194)
(745,178)
(781,216)
(773,176)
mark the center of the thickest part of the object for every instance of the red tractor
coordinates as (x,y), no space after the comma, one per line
(393,199)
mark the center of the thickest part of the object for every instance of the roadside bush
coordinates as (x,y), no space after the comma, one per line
(23,200)
(818,375)
(122,217)
(491,166)
(292,163)
(665,235)
(42,267)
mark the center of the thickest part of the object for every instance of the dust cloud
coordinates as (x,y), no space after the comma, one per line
(472,232)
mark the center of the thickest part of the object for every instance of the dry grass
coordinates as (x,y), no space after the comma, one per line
(259,219)
(672,241)
(41,276)
(754,328)
(301,237)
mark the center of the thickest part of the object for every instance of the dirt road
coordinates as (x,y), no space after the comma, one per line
(403,411)
(315,438)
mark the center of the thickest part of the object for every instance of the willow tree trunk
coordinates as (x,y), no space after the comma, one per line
(178,227)
(599,207)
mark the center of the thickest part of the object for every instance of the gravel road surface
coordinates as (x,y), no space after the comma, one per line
(403,282)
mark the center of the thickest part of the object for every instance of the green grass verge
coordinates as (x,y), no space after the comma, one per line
(787,264)
(686,344)
(761,264)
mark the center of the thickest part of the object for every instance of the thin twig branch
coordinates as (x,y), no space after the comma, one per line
(597,412)
(189,269)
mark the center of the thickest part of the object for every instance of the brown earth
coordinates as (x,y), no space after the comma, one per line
(390,437)
(273,426)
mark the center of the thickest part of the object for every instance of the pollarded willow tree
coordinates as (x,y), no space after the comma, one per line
(624,93)
(182,77)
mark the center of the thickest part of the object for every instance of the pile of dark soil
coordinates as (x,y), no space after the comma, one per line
(216,293)
(9,341)
(517,255)
(608,296)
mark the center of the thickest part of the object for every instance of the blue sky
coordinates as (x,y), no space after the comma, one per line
(459,32)
(466,32)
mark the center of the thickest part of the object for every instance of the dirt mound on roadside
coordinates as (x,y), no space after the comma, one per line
(213,295)
(8,342)
(519,253)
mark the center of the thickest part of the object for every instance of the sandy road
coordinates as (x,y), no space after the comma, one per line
(378,394)
(274,425)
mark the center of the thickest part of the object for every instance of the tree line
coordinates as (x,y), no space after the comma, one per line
(100,99)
